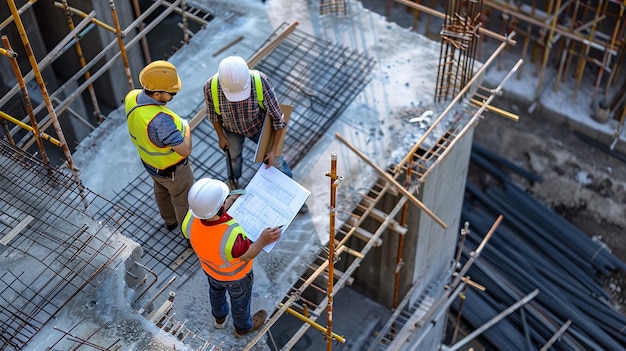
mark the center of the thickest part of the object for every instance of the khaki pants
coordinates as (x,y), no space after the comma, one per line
(171,195)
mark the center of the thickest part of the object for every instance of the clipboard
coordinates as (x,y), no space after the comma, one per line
(266,138)
(271,199)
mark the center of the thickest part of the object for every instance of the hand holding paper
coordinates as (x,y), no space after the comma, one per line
(271,197)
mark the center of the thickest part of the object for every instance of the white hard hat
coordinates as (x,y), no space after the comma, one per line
(206,197)
(234,78)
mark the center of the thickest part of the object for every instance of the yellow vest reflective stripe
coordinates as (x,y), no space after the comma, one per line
(213,245)
(258,86)
(137,119)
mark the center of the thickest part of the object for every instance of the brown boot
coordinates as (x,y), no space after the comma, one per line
(257,321)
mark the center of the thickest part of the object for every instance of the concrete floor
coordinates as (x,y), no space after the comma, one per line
(402,80)
(276,272)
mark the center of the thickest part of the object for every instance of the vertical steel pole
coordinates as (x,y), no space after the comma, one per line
(46,96)
(548,45)
(144,40)
(29,106)
(331,249)
(83,63)
(120,42)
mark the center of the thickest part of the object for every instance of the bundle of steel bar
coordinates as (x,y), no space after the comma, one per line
(535,248)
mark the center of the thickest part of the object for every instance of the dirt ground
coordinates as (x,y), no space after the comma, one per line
(580,181)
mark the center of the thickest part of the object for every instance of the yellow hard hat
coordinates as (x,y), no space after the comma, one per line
(160,76)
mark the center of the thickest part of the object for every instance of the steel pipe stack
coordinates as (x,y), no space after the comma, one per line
(535,248)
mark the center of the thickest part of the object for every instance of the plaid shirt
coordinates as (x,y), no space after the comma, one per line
(245,117)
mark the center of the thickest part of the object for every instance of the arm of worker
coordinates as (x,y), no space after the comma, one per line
(270,156)
(221,138)
(268,236)
(184,148)
(230,200)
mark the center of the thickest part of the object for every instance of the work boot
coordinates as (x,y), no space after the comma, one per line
(304,209)
(220,323)
(257,321)
(171,227)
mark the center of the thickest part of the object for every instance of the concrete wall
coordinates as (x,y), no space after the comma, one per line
(428,249)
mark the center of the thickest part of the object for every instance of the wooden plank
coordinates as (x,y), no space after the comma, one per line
(367,236)
(16,230)
(181,259)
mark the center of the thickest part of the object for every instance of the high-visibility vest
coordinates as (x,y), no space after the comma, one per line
(258,86)
(138,117)
(213,245)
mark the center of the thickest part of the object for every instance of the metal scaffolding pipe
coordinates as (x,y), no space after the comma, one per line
(49,58)
(564,31)
(8,53)
(353,266)
(84,15)
(120,42)
(477,114)
(582,60)
(556,336)
(29,106)
(83,63)
(22,9)
(144,41)
(68,100)
(547,47)
(606,58)
(46,97)
(305,319)
(439,309)
(438,14)
(390,179)
(334,178)
(25,126)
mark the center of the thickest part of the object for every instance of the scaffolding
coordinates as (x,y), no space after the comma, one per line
(456,81)
(58,101)
(575,41)
(309,123)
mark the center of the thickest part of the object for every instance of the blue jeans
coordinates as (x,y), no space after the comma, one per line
(240,292)
(235,142)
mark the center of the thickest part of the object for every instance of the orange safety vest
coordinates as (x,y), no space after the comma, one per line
(213,245)
(157,157)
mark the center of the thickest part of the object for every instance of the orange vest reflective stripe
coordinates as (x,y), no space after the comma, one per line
(157,157)
(213,245)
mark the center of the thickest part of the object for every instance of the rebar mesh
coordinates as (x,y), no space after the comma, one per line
(52,249)
(300,59)
(319,79)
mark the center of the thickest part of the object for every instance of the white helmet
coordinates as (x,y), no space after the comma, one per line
(234,78)
(206,197)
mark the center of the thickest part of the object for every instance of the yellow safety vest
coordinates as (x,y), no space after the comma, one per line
(213,244)
(138,118)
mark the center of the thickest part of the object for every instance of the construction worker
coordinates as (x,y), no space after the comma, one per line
(225,253)
(237,107)
(162,138)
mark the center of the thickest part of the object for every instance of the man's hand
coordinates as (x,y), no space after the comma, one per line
(269,159)
(269,235)
(223,143)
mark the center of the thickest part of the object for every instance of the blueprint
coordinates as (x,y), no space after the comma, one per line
(272,199)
